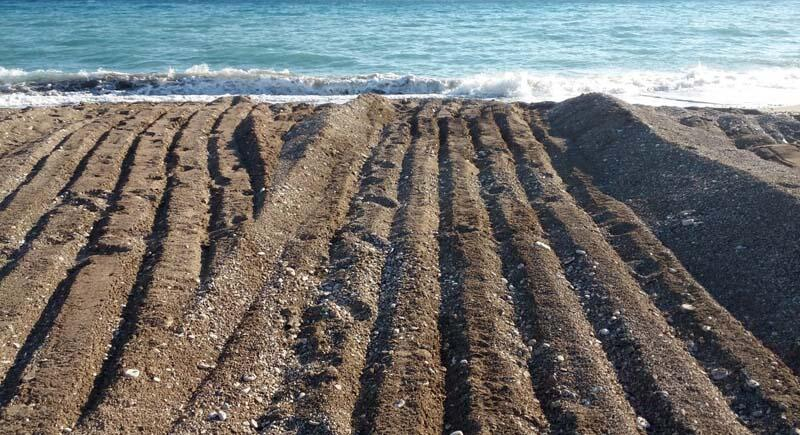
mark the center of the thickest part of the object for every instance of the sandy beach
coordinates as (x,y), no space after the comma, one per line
(399,266)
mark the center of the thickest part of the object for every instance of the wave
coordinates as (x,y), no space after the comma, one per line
(693,86)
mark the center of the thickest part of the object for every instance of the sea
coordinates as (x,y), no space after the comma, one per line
(665,52)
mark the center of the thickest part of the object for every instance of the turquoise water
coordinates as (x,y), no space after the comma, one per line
(727,51)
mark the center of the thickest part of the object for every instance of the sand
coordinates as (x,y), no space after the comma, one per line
(399,266)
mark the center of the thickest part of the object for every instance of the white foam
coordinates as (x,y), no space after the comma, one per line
(694,86)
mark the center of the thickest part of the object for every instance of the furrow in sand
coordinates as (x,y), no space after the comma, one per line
(231,202)
(335,328)
(85,329)
(571,375)
(44,386)
(21,166)
(259,140)
(184,336)
(667,388)
(483,352)
(402,382)
(762,391)
(260,345)
(230,191)
(26,129)
(27,285)
(31,199)
(167,283)
(133,236)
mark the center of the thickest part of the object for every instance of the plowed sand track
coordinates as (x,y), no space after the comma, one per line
(419,266)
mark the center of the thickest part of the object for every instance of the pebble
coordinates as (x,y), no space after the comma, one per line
(673,270)
(580,252)
(291,271)
(687,307)
(560,358)
(752,383)
(400,403)
(719,374)
(642,423)
(219,415)
(687,222)
(456,432)
(206,366)
(706,328)
(544,245)
(132,373)
(248,377)
(604,331)
(261,253)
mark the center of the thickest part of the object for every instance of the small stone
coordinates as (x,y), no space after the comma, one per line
(560,358)
(248,377)
(291,271)
(752,383)
(261,253)
(132,373)
(338,387)
(457,432)
(604,331)
(253,424)
(642,423)
(706,328)
(464,362)
(687,307)
(580,252)
(202,365)
(719,374)
(156,379)
(218,415)
(687,222)
(673,270)
(400,403)
(543,245)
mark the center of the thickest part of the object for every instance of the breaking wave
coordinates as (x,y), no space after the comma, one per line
(694,86)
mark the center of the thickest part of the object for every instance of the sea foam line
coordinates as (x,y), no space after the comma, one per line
(693,86)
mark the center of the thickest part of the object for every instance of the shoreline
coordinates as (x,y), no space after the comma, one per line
(25,102)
